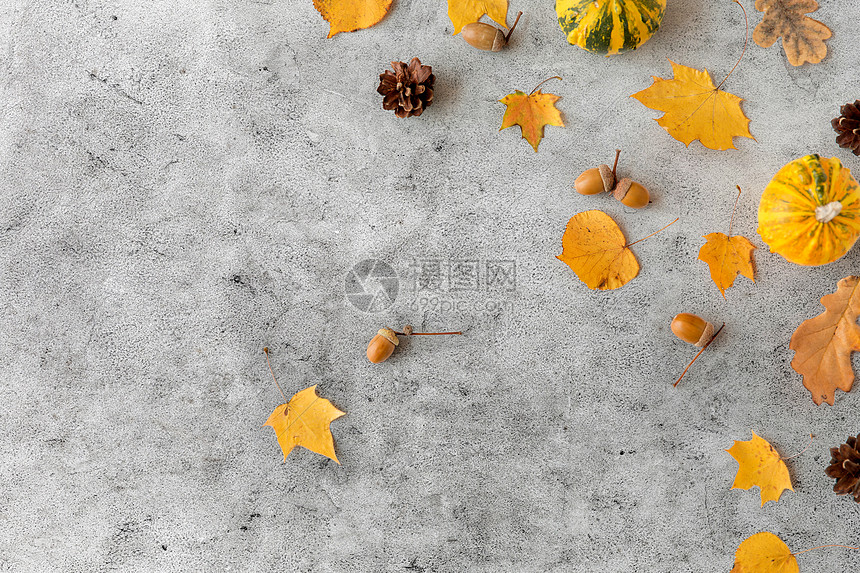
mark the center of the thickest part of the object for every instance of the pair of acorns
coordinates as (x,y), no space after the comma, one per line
(602,178)
(382,346)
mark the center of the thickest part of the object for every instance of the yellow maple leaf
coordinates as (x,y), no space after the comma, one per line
(764,552)
(531,112)
(696,109)
(594,247)
(351,15)
(304,421)
(823,344)
(759,464)
(462,12)
(727,257)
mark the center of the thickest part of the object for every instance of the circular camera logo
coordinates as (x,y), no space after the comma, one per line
(371,285)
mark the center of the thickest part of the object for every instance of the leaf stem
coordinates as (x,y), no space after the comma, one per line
(269,364)
(732,220)
(426,333)
(543,82)
(746,41)
(614,165)
(801,451)
(654,233)
(823,546)
(696,357)
(511,31)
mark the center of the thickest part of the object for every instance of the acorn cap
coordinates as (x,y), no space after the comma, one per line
(622,188)
(607,177)
(388,335)
(707,335)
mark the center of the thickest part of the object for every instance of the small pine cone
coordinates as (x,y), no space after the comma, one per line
(845,468)
(408,90)
(847,125)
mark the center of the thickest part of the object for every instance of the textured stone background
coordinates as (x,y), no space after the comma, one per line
(184,183)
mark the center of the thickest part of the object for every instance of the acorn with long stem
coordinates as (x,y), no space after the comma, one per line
(383,344)
(487,37)
(695,330)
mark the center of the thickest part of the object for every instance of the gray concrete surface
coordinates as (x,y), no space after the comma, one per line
(184,183)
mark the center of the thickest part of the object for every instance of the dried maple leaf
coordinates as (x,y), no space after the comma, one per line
(696,108)
(531,112)
(802,37)
(304,421)
(760,465)
(764,553)
(823,345)
(728,255)
(351,15)
(462,12)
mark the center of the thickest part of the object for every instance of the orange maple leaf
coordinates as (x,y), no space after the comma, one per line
(531,112)
(462,12)
(304,421)
(727,256)
(823,345)
(760,465)
(802,37)
(351,15)
(764,553)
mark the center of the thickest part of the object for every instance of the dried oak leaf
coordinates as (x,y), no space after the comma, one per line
(802,37)
(727,257)
(531,112)
(304,421)
(823,345)
(595,248)
(351,15)
(696,109)
(764,553)
(760,465)
(462,12)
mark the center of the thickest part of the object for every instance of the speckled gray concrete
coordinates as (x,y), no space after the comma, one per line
(183,185)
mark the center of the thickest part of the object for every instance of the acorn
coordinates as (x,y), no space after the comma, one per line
(692,329)
(631,193)
(487,37)
(595,180)
(382,345)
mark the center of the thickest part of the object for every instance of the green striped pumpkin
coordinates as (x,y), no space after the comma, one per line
(609,26)
(810,211)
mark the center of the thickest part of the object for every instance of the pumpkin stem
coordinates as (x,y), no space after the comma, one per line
(826,213)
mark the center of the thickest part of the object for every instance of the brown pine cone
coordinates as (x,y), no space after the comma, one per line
(845,468)
(408,90)
(847,126)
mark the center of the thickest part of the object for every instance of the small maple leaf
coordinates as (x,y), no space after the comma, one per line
(728,255)
(802,37)
(696,109)
(304,421)
(760,465)
(462,12)
(351,15)
(764,552)
(531,112)
(823,345)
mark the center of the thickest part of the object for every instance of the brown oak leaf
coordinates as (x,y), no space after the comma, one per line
(823,345)
(802,37)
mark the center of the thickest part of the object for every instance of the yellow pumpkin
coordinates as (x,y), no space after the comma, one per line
(810,211)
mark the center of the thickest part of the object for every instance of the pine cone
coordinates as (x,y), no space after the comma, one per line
(845,468)
(847,126)
(409,89)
